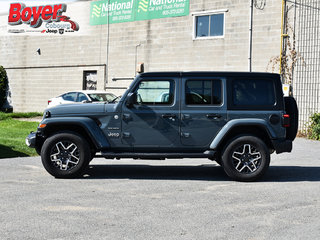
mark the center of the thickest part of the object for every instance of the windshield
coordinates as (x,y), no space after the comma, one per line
(102,97)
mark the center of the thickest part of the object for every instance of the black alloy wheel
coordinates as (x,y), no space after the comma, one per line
(246,158)
(65,155)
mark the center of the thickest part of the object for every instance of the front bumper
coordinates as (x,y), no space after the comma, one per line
(31,140)
(282,145)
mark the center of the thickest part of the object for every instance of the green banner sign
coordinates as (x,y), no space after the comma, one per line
(117,11)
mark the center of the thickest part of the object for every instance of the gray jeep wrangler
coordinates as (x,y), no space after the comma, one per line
(237,119)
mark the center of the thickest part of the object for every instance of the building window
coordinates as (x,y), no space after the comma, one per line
(89,80)
(209,24)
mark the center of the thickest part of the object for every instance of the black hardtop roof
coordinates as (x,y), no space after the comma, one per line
(208,74)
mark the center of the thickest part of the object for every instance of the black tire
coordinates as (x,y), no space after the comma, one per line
(245,158)
(92,155)
(292,109)
(218,161)
(65,155)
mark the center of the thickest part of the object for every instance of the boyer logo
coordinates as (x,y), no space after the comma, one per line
(35,16)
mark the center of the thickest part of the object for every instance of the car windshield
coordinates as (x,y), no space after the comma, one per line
(101,97)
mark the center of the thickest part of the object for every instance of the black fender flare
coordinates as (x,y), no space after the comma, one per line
(249,122)
(87,124)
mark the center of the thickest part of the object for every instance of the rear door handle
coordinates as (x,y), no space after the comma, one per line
(213,116)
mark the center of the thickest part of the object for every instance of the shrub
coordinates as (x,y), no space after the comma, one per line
(3,86)
(314,127)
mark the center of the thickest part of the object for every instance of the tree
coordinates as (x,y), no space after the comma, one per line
(3,86)
(290,55)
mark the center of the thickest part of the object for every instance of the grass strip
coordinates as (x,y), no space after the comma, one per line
(12,137)
(4,116)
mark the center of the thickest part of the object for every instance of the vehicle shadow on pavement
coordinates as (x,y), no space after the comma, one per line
(292,174)
(207,172)
(8,152)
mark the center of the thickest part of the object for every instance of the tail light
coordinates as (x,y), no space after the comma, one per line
(49,101)
(286,120)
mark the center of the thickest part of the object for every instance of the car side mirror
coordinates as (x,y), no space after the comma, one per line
(86,101)
(131,99)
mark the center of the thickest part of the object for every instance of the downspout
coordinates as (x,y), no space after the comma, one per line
(283,35)
(250,37)
(294,33)
(106,72)
(135,60)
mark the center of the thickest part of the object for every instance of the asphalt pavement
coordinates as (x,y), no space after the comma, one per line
(172,199)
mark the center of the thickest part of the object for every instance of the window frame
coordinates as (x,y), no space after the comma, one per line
(208,13)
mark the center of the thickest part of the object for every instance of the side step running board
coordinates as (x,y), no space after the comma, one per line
(112,155)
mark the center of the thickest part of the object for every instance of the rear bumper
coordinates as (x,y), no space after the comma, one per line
(282,145)
(31,140)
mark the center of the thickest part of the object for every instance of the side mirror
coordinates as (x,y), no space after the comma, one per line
(131,99)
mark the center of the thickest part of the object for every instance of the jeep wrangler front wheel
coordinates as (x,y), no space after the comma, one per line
(65,155)
(246,158)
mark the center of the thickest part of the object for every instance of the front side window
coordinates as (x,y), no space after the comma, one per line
(203,92)
(155,92)
(209,25)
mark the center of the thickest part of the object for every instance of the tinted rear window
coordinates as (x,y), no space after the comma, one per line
(253,92)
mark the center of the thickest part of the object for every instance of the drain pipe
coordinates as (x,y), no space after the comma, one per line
(283,35)
(135,59)
(250,37)
(106,72)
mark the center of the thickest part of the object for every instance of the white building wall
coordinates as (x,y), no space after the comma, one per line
(167,44)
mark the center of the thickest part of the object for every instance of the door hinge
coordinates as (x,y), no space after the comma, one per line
(126,134)
(185,135)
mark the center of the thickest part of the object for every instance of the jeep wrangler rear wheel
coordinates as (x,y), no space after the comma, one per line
(65,155)
(246,158)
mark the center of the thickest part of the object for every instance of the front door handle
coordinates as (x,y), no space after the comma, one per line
(171,117)
(213,116)
(168,115)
